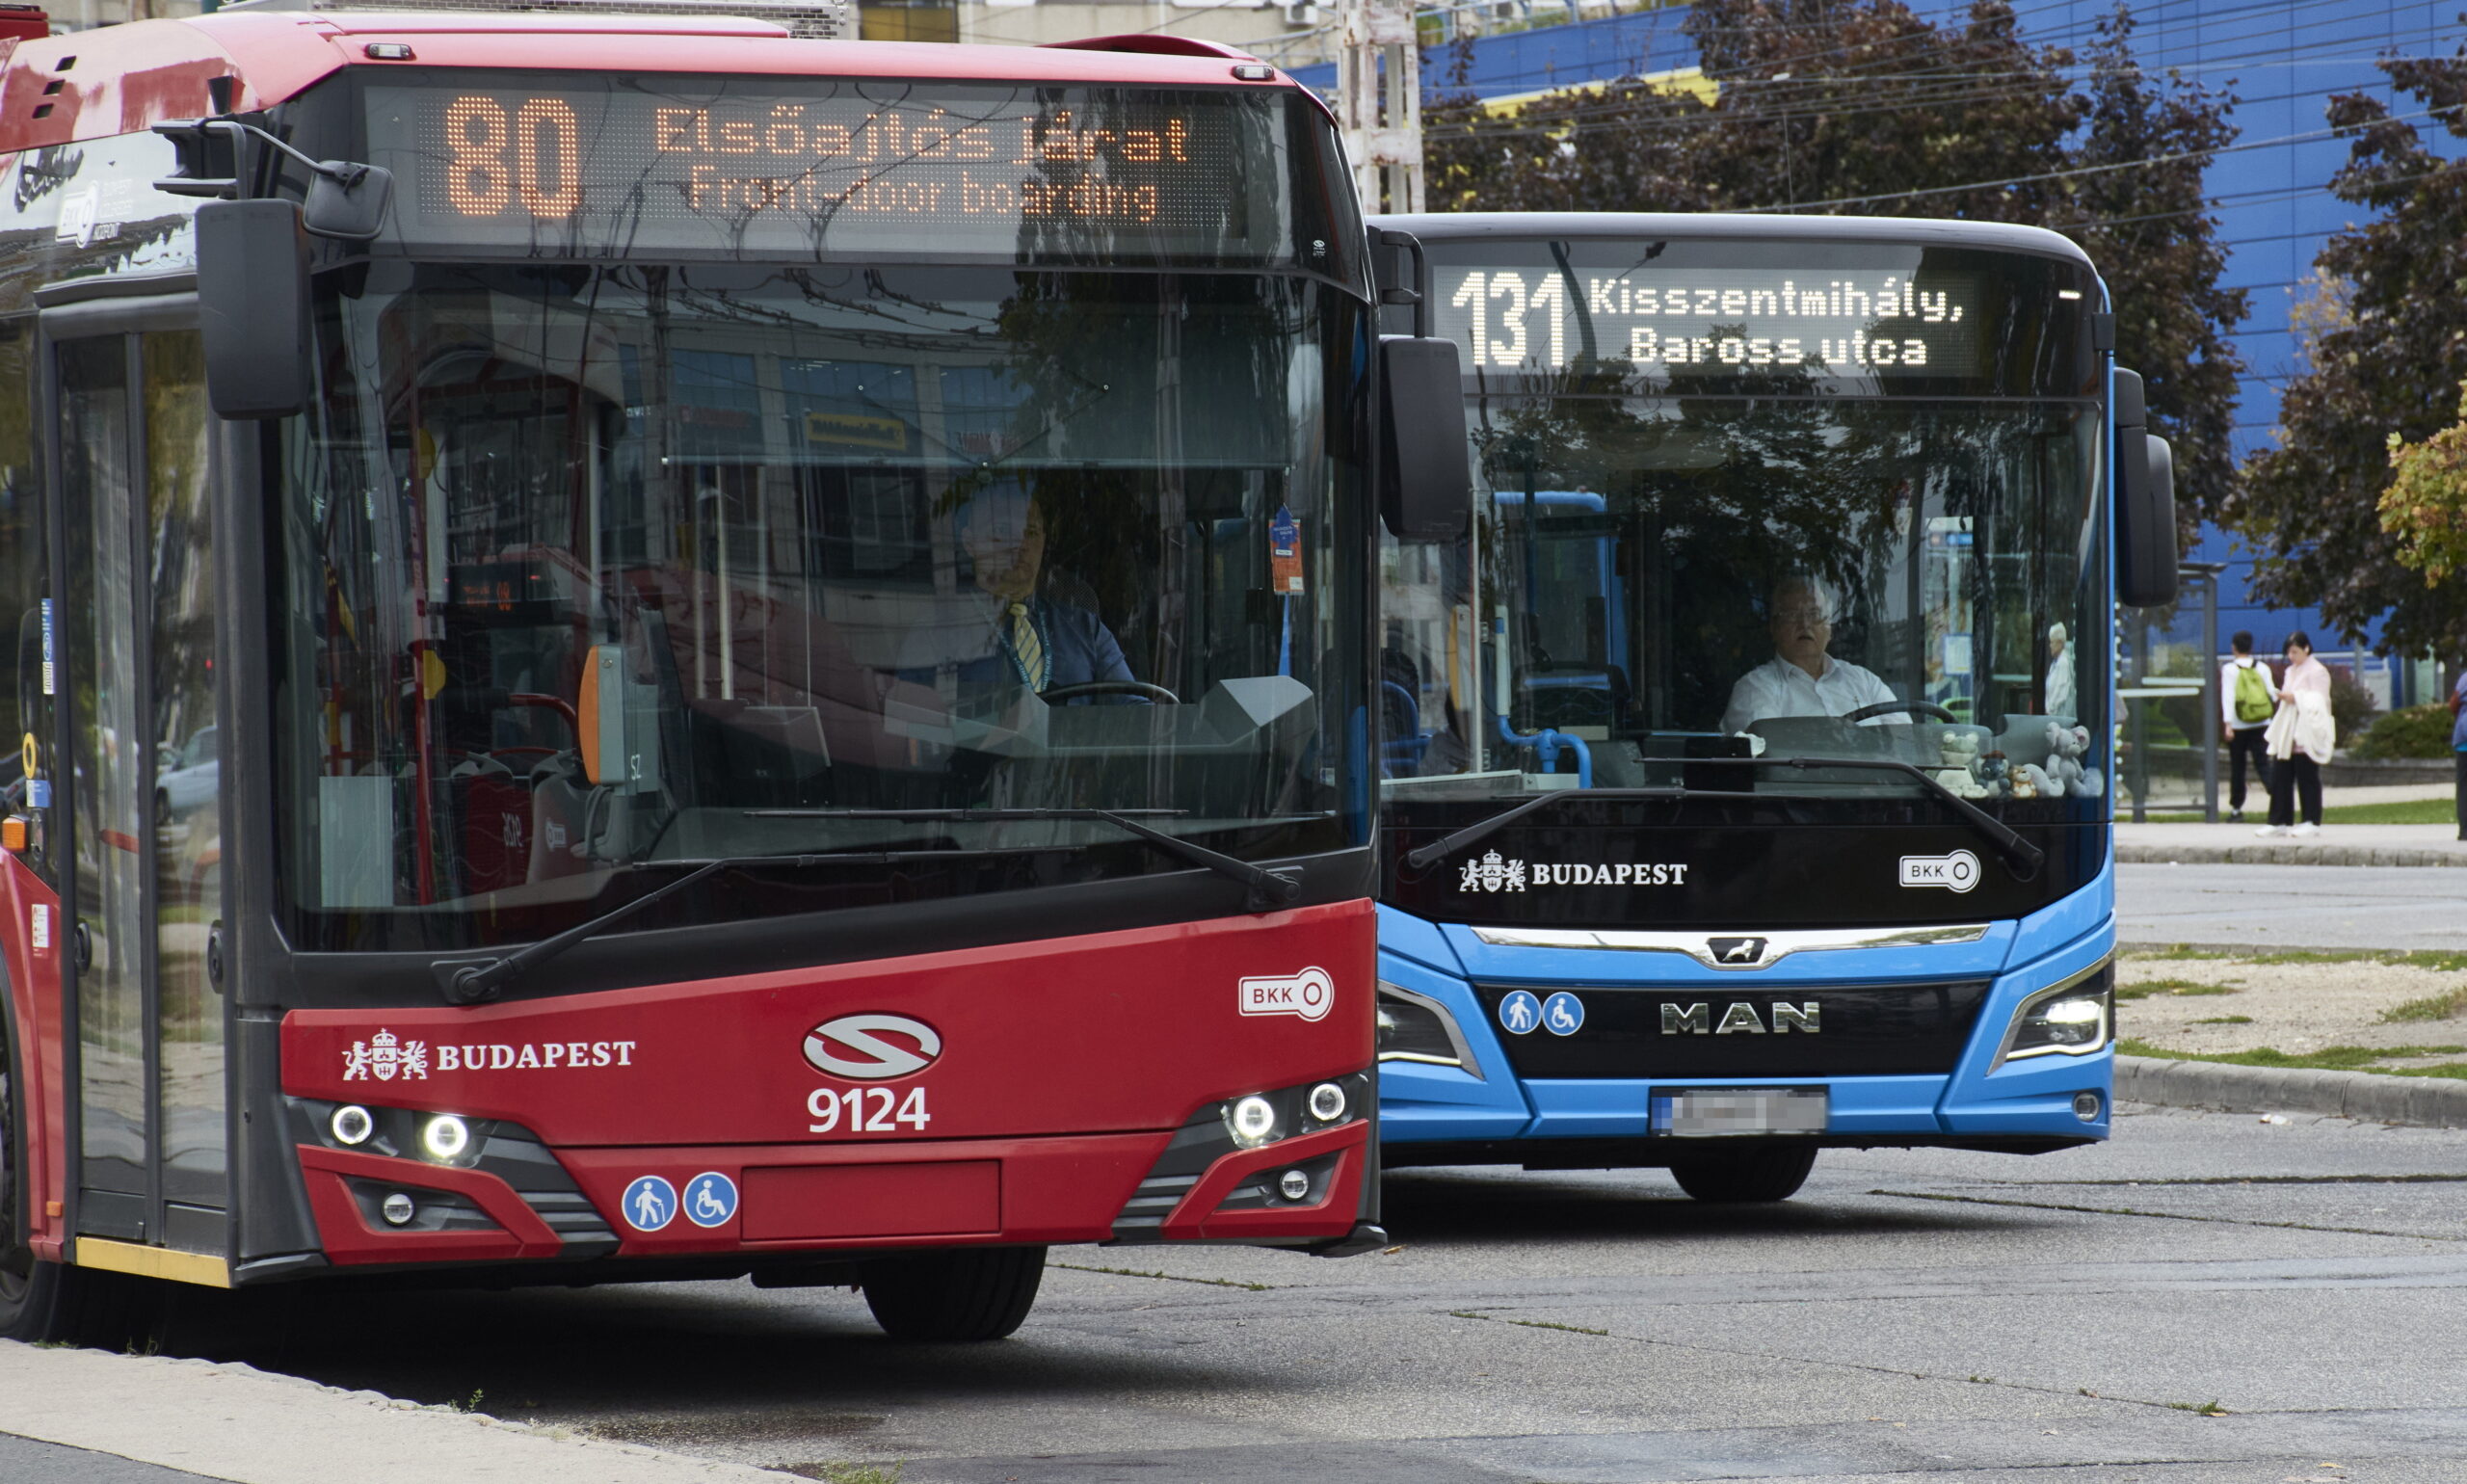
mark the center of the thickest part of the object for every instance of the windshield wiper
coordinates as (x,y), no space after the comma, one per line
(471,981)
(2021,856)
(1488,825)
(1269,890)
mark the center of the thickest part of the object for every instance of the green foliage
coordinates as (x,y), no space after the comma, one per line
(2425,505)
(1865,107)
(2410,731)
(2444,1006)
(2350,704)
(2386,347)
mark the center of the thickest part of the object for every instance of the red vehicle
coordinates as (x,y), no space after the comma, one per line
(650,651)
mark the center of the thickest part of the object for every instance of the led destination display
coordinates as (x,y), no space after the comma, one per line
(756,167)
(1677,320)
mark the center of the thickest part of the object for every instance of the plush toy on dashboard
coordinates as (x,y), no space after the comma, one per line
(1995,776)
(2066,748)
(2029,782)
(1959,751)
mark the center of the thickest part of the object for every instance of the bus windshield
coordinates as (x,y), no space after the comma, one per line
(589,572)
(1654,579)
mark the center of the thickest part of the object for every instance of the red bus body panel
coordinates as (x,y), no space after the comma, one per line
(34,1004)
(1063,1067)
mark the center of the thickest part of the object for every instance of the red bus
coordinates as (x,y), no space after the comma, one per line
(648,650)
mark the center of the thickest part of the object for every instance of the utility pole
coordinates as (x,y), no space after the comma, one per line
(1379,102)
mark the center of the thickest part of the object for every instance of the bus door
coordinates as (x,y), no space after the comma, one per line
(144,908)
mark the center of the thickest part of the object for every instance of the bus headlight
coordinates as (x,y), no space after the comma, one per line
(1418,1028)
(444,1138)
(2074,1018)
(1252,1121)
(1327,1102)
(352,1125)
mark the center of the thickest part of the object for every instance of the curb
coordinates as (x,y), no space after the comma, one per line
(2284,855)
(2223,1087)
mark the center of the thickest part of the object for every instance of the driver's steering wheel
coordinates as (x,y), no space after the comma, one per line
(1889,707)
(1140,688)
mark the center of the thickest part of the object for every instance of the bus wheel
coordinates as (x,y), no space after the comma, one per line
(972,1294)
(1745,1177)
(51,1301)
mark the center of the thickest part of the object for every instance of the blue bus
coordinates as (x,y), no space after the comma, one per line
(1746,757)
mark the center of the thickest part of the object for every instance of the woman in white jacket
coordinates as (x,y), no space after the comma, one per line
(2301,738)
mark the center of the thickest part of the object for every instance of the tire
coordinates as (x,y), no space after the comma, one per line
(51,1303)
(1748,1178)
(973,1294)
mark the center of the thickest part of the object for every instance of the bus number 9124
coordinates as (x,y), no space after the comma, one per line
(866,1110)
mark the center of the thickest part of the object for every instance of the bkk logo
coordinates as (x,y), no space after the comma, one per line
(1309,994)
(1954,872)
(1492,874)
(853,1047)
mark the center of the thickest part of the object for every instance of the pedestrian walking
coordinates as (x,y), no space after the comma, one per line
(2300,738)
(2249,697)
(2458,743)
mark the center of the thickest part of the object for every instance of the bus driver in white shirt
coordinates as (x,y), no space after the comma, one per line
(1801,680)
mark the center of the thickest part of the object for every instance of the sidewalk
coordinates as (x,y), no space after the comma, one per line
(236,1423)
(2336,845)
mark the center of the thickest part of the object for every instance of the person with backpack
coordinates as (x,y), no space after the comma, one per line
(2249,697)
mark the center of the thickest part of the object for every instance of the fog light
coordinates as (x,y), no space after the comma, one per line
(1252,1121)
(352,1123)
(398,1210)
(2088,1106)
(1327,1102)
(445,1137)
(1293,1185)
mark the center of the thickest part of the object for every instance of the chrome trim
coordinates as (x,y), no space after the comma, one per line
(1465,1058)
(1777,945)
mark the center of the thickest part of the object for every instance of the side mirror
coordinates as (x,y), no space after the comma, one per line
(252,307)
(1426,485)
(2145,503)
(348,201)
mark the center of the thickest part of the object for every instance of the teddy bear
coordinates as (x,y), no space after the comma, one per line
(2066,748)
(1959,751)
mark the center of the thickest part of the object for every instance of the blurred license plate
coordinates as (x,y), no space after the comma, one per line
(1719,1112)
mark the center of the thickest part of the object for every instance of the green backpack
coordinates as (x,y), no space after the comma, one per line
(2252,693)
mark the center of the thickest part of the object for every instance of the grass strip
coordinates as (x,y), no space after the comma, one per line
(2445,960)
(2432,1007)
(2150,987)
(2403,811)
(2330,1058)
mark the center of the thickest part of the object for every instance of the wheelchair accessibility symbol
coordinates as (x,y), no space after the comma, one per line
(650,1203)
(1562,1013)
(710,1199)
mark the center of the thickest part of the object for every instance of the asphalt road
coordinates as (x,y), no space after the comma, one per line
(1921,1315)
(2293,905)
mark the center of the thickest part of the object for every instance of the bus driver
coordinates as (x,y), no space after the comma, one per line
(1039,641)
(1802,679)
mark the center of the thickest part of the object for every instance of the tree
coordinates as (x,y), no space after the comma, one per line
(2425,505)
(1863,107)
(2384,356)
(2140,212)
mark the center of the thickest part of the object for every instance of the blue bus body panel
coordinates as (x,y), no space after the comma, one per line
(2028,1098)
